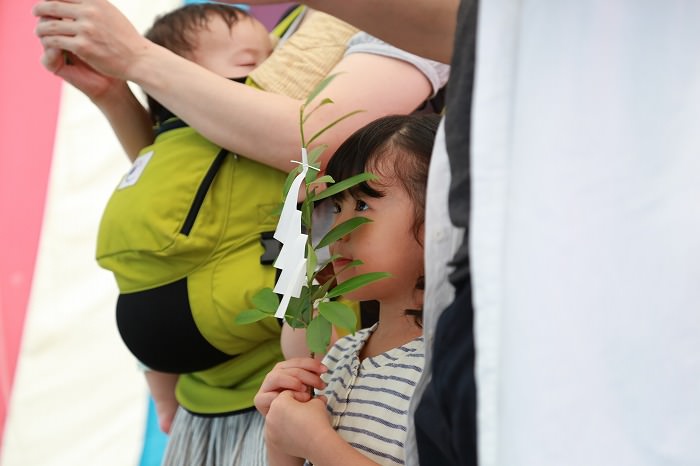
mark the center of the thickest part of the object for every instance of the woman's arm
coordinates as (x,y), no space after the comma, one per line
(264,126)
(260,125)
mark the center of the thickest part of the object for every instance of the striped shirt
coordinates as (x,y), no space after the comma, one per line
(368,400)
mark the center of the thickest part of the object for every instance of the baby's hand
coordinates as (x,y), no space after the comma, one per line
(297,375)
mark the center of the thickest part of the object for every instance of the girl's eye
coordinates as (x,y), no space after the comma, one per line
(361,205)
(335,208)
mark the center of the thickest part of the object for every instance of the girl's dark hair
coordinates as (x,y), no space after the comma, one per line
(394,147)
(177,32)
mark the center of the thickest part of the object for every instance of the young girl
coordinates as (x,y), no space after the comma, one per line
(366,379)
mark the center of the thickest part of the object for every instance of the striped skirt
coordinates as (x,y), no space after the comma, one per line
(235,440)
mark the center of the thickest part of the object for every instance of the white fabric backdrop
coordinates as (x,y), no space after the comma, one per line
(78,397)
(586,232)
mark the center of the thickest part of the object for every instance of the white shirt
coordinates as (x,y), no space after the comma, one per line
(585,232)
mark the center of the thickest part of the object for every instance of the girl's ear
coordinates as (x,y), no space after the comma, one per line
(418,293)
(420,235)
(418,299)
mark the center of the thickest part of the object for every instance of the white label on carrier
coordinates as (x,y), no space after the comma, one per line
(137,168)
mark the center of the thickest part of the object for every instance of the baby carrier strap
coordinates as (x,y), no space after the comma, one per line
(308,56)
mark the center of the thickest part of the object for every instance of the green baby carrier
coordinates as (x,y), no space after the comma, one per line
(187,234)
(182,235)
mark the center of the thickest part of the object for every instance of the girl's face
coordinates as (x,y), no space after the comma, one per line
(387,244)
(231,53)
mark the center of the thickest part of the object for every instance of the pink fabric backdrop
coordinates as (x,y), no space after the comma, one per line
(28,108)
(29,103)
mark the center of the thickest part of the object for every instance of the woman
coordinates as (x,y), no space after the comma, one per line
(106,51)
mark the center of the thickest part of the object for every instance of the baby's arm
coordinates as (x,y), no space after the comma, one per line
(296,376)
(128,118)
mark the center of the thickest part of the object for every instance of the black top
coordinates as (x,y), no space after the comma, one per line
(458,126)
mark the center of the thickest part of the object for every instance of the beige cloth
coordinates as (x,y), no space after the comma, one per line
(307,57)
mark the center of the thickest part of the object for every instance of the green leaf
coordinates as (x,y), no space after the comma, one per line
(318,335)
(307,208)
(298,312)
(332,124)
(311,260)
(339,315)
(356,282)
(331,280)
(294,322)
(294,312)
(266,300)
(325,101)
(316,293)
(315,154)
(343,185)
(341,230)
(250,315)
(328,179)
(319,88)
(311,175)
(290,178)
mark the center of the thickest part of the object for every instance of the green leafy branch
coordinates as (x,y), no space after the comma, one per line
(315,309)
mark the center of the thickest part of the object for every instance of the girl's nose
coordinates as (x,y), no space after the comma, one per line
(344,238)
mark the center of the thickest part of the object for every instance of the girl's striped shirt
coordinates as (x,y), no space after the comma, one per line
(368,400)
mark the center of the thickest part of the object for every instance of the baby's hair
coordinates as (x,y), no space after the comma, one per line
(176,30)
(395,147)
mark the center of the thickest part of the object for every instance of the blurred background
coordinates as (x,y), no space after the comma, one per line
(70,392)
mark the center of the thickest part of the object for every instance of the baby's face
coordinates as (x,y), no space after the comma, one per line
(231,53)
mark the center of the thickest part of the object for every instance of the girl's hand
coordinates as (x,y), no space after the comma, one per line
(295,427)
(296,375)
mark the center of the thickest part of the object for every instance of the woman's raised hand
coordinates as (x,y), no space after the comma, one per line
(93,30)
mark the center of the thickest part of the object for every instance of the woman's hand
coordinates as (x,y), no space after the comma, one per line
(94,30)
(296,376)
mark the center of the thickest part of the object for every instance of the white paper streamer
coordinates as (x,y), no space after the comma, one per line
(291,260)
